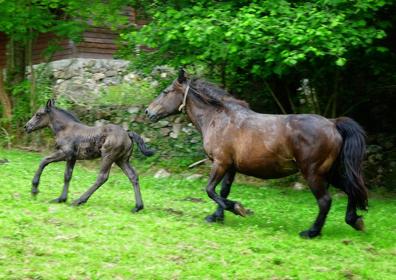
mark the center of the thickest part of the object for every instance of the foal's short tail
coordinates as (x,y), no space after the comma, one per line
(350,160)
(140,142)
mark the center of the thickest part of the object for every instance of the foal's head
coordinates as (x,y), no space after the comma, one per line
(41,118)
(169,100)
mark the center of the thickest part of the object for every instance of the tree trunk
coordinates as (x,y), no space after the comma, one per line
(29,61)
(4,98)
(16,65)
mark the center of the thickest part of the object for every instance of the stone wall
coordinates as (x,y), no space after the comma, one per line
(84,83)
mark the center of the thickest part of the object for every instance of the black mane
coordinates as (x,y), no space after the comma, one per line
(212,94)
(68,114)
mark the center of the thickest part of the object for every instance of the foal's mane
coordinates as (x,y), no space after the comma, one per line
(67,114)
(212,94)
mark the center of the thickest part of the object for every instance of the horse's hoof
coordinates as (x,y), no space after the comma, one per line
(137,209)
(58,200)
(77,202)
(239,210)
(359,224)
(34,192)
(308,234)
(214,218)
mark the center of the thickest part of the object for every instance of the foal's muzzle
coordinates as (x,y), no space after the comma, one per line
(27,128)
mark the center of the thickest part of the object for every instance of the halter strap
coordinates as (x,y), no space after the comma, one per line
(185,97)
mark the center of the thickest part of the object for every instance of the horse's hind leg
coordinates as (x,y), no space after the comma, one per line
(351,218)
(68,174)
(100,180)
(133,177)
(318,187)
(228,179)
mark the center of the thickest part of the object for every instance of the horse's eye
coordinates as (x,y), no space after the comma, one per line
(166,92)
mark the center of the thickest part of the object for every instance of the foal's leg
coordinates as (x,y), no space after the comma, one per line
(351,218)
(218,215)
(57,156)
(100,180)
(68,174)
(133,177)
(217,173)
(318,187)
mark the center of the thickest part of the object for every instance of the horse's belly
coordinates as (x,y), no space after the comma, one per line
(88,152)
(267,169)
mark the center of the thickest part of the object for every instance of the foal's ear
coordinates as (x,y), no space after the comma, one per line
(182,76)
(50,104)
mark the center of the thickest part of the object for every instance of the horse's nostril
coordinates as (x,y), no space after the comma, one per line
(146,111)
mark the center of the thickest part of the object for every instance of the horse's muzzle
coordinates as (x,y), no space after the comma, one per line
(27,128)
(151,115)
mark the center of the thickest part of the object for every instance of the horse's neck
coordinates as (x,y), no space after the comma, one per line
(199,114)
(59,123)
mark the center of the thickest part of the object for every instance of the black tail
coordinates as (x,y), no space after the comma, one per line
(140,142)
(350,160)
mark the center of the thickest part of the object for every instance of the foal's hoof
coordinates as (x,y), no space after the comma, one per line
(359,224)
(239,210)
(34,192)
(308,234)
(214,218)
(58,200)
(78,202)
(137,209)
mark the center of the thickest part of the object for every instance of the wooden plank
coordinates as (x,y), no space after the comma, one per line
(38,56)
(101,30)
(95,50)
(99,35)
(96,46)
(98,40)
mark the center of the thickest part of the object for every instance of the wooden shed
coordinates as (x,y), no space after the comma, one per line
(97,42)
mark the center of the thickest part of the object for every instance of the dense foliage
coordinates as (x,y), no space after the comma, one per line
(258,48)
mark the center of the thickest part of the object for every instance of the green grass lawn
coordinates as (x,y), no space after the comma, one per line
(169,239)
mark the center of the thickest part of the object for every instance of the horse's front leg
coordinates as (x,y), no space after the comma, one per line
(218,215)
(68,174)
(217,173)
(57,156)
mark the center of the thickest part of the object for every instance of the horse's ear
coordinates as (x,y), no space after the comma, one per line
(50,104)
(182,76)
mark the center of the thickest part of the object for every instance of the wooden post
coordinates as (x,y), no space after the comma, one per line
(4,98)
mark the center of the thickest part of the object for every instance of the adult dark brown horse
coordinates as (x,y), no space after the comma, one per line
(236,139)
(76,141)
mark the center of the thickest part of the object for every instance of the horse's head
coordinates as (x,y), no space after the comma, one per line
(169,100)
(41,118)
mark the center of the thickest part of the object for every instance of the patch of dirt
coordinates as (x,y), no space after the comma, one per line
(194,199)
(173,211)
